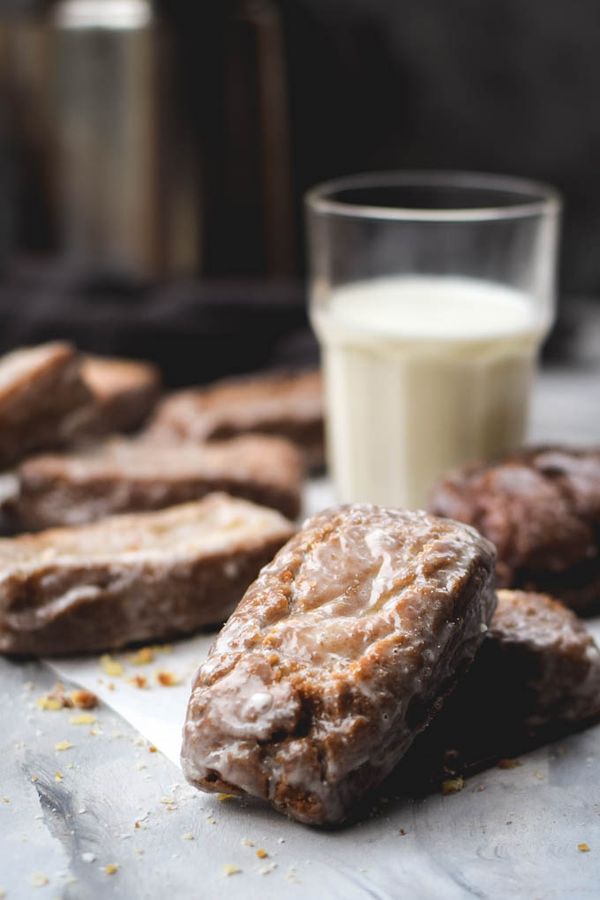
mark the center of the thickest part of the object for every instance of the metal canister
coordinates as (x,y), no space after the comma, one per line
(117,166)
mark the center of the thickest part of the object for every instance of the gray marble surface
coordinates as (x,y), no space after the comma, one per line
(509,833)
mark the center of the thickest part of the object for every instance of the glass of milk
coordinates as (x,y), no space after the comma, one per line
(431,294)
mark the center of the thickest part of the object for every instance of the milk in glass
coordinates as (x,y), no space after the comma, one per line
(422,373)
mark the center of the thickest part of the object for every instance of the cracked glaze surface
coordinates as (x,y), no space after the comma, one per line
(336,657)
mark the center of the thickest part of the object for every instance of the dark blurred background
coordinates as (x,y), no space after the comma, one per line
(153,157)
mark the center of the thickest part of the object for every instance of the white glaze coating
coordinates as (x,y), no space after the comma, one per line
(214,524)
(306,696)
(132,578)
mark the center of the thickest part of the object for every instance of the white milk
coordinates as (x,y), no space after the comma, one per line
(422,373)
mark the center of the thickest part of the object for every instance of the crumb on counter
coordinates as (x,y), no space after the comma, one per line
(84,699)
(188,836)
(111,666)
(83,719)
(57,698)
(167,679)
(583,847)
(223,798)
(111,868)
(58,776)
(261,853)
(39,880)
(48,702)
(152,748)
(54,699)
(63,745)
(143,656)
(453,785)
(139,681)
(266,870)
(231,869)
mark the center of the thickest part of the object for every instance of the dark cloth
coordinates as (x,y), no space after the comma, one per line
(194,330)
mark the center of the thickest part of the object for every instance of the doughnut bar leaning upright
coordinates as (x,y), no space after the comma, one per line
(338,655)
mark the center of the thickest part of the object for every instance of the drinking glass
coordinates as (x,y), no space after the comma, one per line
(431,294)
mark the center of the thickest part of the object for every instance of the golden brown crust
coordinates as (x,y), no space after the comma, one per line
(127,475)
(288,404)
(140,577)
(336,657)
(42,399)
(124,392)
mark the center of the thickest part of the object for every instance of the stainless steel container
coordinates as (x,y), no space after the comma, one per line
(146,161)
(120,169)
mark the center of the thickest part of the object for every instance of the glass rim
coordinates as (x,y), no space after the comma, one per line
(532,198)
